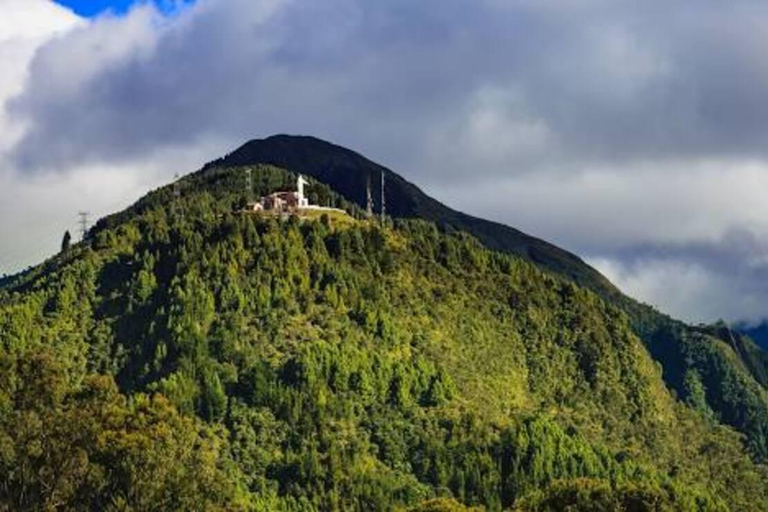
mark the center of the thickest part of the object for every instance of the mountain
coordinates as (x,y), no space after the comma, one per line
(735,377)
(348,173)
(189,356)
(759,333)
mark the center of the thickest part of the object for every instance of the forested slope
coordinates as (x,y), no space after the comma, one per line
(190,357)
(732,370)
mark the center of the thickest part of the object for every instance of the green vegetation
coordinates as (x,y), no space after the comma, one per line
(715,370)
(220,360)
(734,370)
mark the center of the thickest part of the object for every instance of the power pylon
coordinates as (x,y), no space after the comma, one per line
(178,208)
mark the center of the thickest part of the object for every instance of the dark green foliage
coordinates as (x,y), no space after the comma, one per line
(706,371)
(304,365)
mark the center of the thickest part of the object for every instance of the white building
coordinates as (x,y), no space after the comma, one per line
(287,201)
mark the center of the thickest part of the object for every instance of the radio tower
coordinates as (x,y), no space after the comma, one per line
(83,224)
(368,199)
(383,199)
(248,186)
(178,208)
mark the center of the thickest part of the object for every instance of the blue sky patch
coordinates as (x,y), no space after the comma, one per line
(91,8)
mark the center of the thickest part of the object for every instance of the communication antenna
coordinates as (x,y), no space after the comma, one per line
(178,208)
(383,199)
(83,224)
(249,185)
(368,199)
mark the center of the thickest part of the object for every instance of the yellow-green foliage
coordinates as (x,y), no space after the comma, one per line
(303,365)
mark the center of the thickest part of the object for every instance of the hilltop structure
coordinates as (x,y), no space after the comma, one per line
(287,201)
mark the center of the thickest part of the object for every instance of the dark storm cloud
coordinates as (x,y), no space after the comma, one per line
(698,281)
(607,80)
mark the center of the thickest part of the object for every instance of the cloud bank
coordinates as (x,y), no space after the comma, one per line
(631,133)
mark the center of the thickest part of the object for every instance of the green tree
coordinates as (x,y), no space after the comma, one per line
(66,241)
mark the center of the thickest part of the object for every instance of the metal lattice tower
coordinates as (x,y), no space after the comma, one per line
(368,199)
(83,223)
(383,199)
(177,206)
(249,185)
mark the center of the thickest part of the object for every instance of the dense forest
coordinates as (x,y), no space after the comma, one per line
(734,370)
(188,356)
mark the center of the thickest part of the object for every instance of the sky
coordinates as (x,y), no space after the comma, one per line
(93,8)
(631,133)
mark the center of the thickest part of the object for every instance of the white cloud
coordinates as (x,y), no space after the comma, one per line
(667,284)
(599,209)
(686,289)
(25,25)
(37,209)
(33,20)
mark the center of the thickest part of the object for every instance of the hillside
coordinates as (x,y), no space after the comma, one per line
(188,356)
(735,369)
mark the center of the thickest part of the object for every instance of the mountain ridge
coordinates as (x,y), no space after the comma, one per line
(347,172)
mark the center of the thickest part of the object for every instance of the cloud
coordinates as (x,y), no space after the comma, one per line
(691,238)
(604,209)
(696,283)
(36,208)
(606,81)
(617,129)
(24,27)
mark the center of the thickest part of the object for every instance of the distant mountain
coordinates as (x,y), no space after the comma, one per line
(759,333)
(347,172)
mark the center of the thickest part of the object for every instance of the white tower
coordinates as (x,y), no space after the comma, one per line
(300,182)
(368,199)
(383,199)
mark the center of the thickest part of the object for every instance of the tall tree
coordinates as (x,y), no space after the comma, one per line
(66,241)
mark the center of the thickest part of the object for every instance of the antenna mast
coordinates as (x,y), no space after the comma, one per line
(83,224)
(249,185)
(383,199)
(368,199)
(178,208)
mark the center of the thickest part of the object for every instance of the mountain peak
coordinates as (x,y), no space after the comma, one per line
(335,165)
(348,172)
